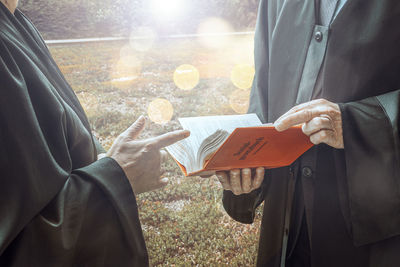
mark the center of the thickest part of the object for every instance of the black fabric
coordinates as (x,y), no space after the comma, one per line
(332,244)
(361,184)
(251,201)
(296,245)
(374,182)
(59,206)
(301,255)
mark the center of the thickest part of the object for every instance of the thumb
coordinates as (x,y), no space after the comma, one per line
(136,128)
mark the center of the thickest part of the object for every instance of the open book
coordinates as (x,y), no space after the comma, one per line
(235,141)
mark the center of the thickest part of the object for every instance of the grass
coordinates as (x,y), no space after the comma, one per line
(184,223)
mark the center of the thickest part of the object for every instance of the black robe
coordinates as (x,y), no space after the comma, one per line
(351,196)
(59,206)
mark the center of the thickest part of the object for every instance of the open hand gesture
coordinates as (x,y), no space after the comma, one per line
(141,159)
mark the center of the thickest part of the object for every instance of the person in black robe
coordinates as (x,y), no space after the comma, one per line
(332,66)
(59,204)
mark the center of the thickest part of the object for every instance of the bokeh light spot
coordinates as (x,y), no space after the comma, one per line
(186,77)
(242,76)
(239,101)
(160,111)
(142,39)
(213,33)
(127,69)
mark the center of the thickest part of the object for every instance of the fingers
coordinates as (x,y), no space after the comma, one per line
(299,117)
(235,182)
(258,178)
(321,119)
(241,181)
(317,124)
(246,181)
(224,180)
(136,128)
(324,136)
(303,106)
(293,110)
(306,112)
(169,138)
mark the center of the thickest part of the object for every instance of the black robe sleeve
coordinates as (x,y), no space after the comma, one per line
(99,148)
(59,206)
(242,208)
(372,147)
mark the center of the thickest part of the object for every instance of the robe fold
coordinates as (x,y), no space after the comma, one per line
(59,205)
(360,72)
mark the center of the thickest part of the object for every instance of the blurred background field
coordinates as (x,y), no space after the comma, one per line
(97,18)
(164,78)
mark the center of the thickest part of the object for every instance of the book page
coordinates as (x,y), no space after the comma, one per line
(183,152)
(202,127)
(186,151)
(208,147)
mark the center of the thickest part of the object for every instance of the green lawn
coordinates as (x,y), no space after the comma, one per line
(184,224)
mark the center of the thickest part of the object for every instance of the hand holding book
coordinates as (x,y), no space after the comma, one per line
(241,181)
(235,142)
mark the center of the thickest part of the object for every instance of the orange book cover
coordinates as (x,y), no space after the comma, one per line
(260,146)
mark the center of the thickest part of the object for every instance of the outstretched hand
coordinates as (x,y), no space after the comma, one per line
(141,159)
(241,181)
(321,119)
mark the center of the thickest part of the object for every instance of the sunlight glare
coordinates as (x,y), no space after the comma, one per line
(127,69)
(242,76)
(186,77)
(213,31)
(142,39)
(167,9)
(242,50)
(129,57)
(160,111)
(239,101)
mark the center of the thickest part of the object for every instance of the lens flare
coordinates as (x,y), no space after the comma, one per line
(142,39)
(239,101)
(186,77)
(242,76)
(127,69)
(213,33)
(160,111)
(242,50)
(167,10)
(129,57)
